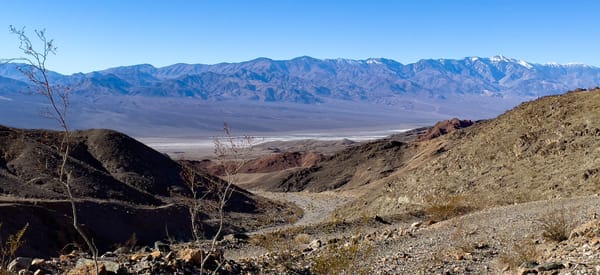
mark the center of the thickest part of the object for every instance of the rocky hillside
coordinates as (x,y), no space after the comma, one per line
(541,149)
(355,166)
(116,181)
(265,164)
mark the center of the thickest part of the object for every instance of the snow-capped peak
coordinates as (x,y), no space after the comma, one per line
(570,64)
(576,64)
(500,58)
(373,61)
(525,64)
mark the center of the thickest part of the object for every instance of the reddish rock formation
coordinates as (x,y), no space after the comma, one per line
(444,127)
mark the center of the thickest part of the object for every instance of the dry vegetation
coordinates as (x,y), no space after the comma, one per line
(524,251)
(9,248)
(556,225)
(343,259)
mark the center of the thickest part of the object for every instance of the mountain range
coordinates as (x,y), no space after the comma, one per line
(303,93)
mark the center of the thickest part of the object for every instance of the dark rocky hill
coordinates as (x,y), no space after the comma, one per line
(121,186)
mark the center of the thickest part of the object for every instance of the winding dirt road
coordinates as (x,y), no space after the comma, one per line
(317,207)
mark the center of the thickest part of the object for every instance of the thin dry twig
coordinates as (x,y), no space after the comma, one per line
(35,70)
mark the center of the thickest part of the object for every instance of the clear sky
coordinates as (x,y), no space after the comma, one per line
(93,35)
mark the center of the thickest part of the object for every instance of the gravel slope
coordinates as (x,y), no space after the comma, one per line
(475,243)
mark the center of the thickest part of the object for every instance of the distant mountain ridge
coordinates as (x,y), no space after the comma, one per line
(475,87)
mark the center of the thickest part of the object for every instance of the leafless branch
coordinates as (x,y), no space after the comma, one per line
(232,152)
(35,70)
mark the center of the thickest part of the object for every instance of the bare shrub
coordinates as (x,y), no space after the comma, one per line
(442,207)
(232,152)
(188,173)
(521,252)
(461,244)
(555,225)
(343,259)
(277,241)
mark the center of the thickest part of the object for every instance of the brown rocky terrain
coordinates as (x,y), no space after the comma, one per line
(121,186)
(541,149)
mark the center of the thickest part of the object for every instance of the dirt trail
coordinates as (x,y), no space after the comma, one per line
(317,207)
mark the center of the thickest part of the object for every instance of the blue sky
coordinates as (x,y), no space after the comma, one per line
(94,35)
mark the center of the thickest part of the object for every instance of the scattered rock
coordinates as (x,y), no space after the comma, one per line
(549,267)
(122,250)
(162,247)
(315,244)
(87,266)
(19,263)
(190,255)
(37,261)
(156,254)
(381,220)
(595,241)
(108,254)
(416,224)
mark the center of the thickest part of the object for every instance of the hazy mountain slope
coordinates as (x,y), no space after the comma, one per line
(303,93)
(540,149)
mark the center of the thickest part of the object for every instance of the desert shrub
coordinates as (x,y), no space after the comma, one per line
(302,238)
(555,225)
(343,259)
(280,240)
(521,252)
(443,207)
(9,247)
(129,244)
(461,244)
(334,223)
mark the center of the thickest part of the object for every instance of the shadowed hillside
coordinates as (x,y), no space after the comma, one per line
(121,186)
